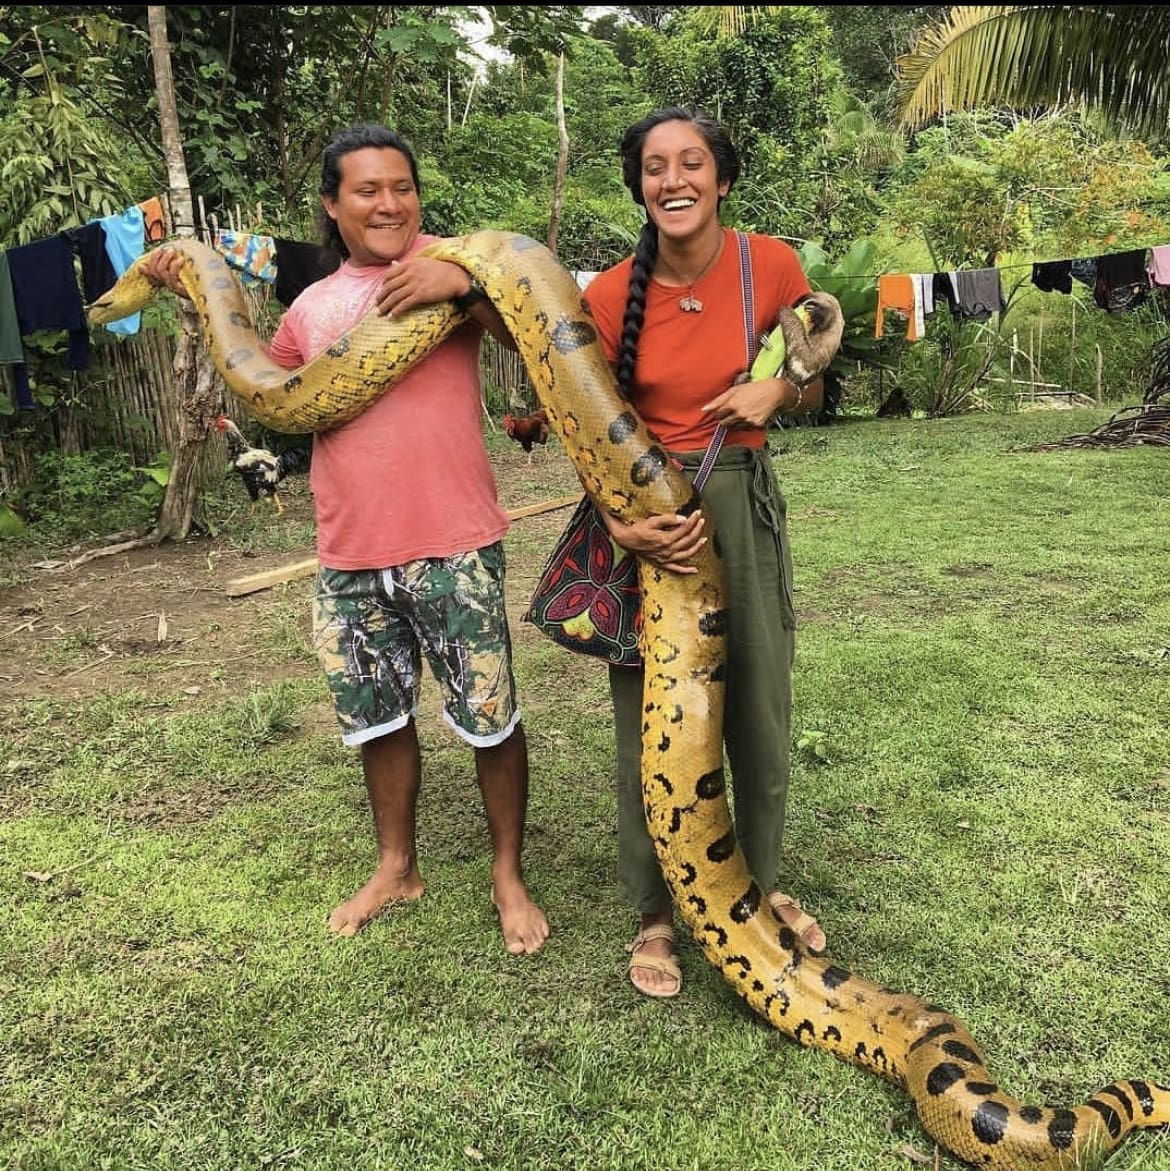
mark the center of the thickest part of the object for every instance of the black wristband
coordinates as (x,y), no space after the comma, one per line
(473,296)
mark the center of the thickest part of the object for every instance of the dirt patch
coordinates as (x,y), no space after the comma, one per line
(161,617)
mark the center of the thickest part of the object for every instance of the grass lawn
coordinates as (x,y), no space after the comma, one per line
(979,814)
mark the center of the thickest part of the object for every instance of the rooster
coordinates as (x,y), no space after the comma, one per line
(259,468)
(527,429)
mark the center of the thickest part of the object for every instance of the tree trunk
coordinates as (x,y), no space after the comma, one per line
(562,158)
(196,380)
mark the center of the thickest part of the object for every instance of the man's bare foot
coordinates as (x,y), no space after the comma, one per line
(522,922)
(385,887)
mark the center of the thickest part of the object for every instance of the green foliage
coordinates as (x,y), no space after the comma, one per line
(54,169)
(1109,58)
(593,230)
(482,169)
(852,163)
(770,85)
(601,100)
(11,525)
(87,495)
(980,187)
(1068,341)
(948,370)
(156,477)
(869,38)
(533,34)
(258,90)
(958,206)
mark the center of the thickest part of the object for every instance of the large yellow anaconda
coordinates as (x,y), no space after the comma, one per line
(905,1040)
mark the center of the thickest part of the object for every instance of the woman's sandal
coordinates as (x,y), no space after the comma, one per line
(667,965)
(803,924)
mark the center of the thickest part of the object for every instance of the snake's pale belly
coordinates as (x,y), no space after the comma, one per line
(921,1048)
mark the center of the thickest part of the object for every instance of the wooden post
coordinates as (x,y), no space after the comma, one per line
(1040,349)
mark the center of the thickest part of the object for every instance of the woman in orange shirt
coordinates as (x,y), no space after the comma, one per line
(671,319)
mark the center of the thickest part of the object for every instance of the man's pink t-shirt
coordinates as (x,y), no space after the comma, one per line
(409,477)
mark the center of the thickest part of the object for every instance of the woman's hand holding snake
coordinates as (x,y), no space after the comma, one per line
(670,542)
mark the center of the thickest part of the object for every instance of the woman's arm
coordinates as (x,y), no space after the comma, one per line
(748,405)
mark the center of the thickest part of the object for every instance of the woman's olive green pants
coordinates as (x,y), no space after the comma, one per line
(749,516)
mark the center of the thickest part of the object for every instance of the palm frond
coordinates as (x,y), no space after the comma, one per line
(1115,59)
(731,20)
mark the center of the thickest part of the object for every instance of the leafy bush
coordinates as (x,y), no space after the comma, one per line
(87,495)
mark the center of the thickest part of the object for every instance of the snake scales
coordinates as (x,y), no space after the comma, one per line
(907,1041)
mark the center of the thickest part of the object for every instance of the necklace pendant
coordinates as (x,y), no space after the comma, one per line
(690,304)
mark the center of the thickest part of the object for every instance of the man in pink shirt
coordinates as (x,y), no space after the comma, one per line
(409,533)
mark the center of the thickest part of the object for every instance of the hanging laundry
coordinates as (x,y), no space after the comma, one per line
(895,292)
(253,257)
(11,350)
(1084,269)
(1158,270)
(1122,281)
(97,270)
(980,293)
(44,289)
(298,265)
(1053,276)
(944,288)
(153,220)
(124,245)
(923,300)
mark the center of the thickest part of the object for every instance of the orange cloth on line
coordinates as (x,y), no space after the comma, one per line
(154,220)
(895,291)
(687,359)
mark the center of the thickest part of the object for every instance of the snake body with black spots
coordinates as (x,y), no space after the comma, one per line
(921,1048)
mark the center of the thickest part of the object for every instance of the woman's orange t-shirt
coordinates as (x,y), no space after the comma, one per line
(687,359)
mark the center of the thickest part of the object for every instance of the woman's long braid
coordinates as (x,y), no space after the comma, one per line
(644,256)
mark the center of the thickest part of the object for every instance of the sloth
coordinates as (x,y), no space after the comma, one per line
(812,334)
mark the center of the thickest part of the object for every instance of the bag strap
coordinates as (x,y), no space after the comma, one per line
(749,334)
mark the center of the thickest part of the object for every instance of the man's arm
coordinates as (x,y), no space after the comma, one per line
(423,280)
